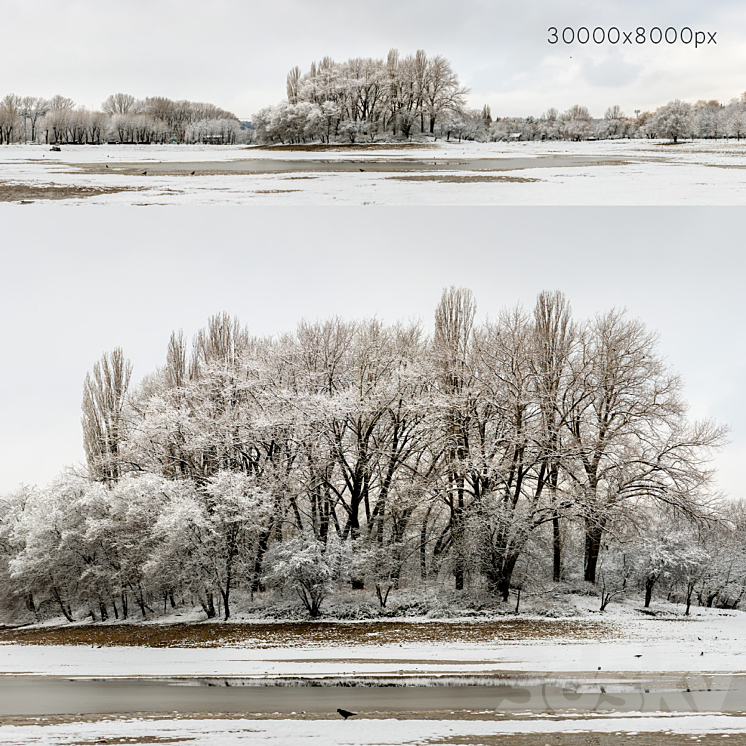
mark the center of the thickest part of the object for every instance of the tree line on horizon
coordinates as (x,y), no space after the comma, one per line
(400,97)
(121,119)
(519,453)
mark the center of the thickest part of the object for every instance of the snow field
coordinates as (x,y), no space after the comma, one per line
(709,643)
(360,732)
(702,173)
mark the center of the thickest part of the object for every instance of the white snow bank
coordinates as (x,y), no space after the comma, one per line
(702,173)
(644,647)
(353,732)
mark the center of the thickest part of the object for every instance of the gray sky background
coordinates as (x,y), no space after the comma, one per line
(75,283)
(236,53)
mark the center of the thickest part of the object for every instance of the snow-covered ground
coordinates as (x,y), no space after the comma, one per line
(634,172)
(360,732)
(712,641)
(704,652)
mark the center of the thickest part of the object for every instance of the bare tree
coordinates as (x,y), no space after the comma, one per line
(553,335)
(454,322)
(118,103)
(104,393)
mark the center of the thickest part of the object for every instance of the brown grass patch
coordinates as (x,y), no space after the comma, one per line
(466,179)
(28,193)
(117,740)
(278,634)
(591,739)
(337,147)
(275,191)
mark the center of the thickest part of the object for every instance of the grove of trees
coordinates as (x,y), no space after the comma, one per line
(122,119)
(416,96)
(527,451)
(364,98)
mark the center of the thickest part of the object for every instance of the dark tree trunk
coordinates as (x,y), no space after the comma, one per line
(499,571)
(208,605)
(557,549)
(593,534)
(65,608)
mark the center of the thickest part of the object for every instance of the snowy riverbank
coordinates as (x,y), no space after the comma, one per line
(711,641)
(620,172)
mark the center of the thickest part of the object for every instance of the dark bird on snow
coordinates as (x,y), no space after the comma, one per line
(361,169)
(345,713)
(107,165)
(639,655)
(192,174)
(702,653)
(144,173)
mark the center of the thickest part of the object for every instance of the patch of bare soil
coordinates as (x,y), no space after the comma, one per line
(341,147)
(28,193)
(117,740)
(590,739)
(303,634)
(465,179)
(275,191)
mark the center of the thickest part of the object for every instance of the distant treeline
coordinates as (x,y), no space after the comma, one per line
(121,119)
(365,99)
(405,97)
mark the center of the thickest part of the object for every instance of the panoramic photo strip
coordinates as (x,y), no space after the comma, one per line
(411,411)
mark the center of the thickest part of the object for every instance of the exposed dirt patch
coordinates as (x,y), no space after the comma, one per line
(116,740)
(591,739)
(263,635)
(28,193)
(466,179)
(340,147)
(275,191)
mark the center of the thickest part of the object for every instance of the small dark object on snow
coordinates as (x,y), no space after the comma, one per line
(639,655)
(192,174)
(144,173)
(702,653)
(107,165)
(361,169)
(345,713)
(56,149)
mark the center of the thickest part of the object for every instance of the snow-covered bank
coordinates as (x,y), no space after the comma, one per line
(710,642)
(362,732)
(651,173)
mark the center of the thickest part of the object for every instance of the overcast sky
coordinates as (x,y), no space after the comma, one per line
(236,53)
(77,282)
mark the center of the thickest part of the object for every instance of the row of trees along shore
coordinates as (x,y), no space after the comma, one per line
(122,119)
(526,452)
(360,100)
(403,97)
